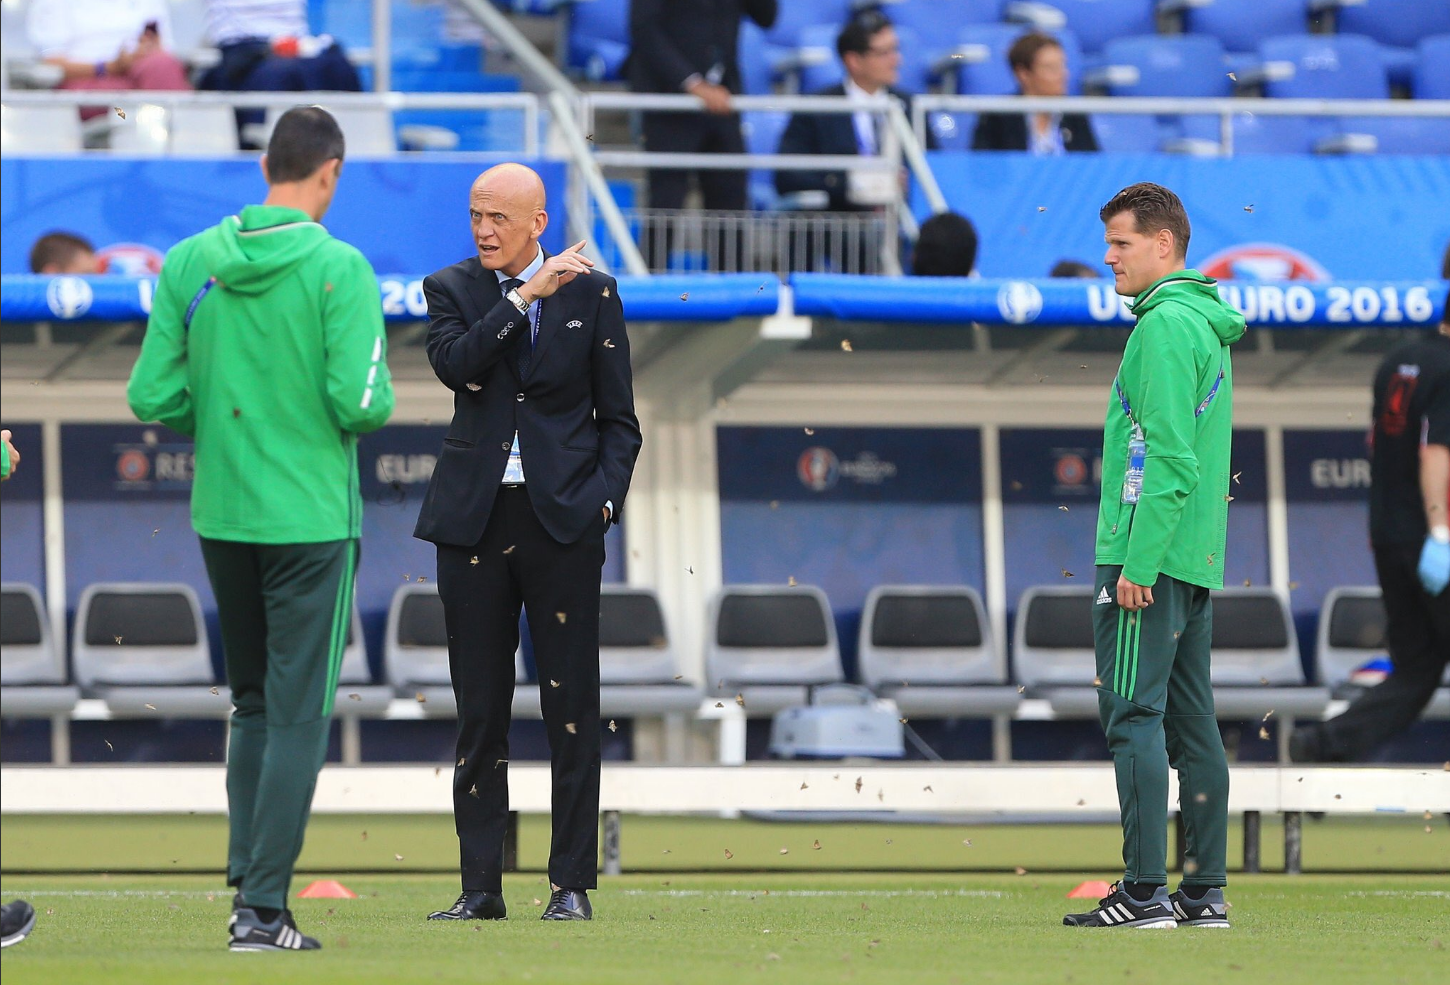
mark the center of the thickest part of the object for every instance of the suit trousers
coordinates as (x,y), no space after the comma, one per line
(694,133)
(518,565)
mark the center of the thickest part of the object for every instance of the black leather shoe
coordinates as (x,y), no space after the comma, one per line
(568,904)
(474,905)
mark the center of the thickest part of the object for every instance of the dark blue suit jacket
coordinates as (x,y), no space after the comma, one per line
(574,411)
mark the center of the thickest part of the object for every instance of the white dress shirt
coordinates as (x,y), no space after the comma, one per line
(513,473)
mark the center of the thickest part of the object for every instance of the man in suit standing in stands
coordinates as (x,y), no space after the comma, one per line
(1040,65)
(533,471)
(691,46)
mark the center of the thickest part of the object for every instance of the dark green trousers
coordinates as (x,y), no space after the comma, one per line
(284,611)
(1156,705)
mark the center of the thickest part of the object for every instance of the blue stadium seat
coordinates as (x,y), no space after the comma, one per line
(757,59)
(1432,69)
(795,16)
(1240,25)
(1403,134)
(598,38)
(1095,22)
(934,18)
(1318,66)
(1255,134)
(1185,65)
(1129,133)
(1399,23)
(762,130)
(815,56)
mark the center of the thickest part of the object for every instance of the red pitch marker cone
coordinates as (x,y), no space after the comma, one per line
(327,889)
(1092,889)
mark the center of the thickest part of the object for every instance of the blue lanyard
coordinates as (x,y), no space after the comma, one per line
(191,308)
(1128,410)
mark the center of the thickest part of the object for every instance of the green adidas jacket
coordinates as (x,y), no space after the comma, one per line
(1170,367)
(266,343)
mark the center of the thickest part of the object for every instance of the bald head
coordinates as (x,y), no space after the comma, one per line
(506,210)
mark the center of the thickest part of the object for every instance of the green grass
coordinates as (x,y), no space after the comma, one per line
(803,926)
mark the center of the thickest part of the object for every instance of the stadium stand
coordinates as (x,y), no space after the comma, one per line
(1352,641)
(415,652)
(639,672)
(1094,22)
(32,670)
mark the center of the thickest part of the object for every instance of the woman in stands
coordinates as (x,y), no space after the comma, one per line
(107,44)
(1040,65)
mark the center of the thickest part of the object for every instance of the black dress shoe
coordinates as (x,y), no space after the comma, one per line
(568,904)
(474,905)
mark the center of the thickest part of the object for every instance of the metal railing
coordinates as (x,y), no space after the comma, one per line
(1226,108)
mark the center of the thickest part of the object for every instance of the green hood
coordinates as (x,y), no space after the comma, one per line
(262,246)
(1198,292)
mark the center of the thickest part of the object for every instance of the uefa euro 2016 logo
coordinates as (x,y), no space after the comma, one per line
(1019,302)
(818,468)
(68,297)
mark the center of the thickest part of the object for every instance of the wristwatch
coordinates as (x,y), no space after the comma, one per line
(517,300)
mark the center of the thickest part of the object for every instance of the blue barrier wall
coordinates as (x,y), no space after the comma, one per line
(402,214)
(849,509)
(1326,483)
(1308,212)
(22,534)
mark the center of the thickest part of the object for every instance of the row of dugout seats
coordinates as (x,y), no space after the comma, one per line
(142,649)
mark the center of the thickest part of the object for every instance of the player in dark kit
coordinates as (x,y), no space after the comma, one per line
(1409,529)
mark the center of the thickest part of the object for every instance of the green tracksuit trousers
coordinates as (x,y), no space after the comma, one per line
(284,612)
(1156,705)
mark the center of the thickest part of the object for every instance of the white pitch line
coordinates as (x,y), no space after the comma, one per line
(808,893)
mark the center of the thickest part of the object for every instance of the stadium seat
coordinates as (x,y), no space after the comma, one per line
(1094,22)
(1256,666)
(39,130)
(1256,134)
(367,130)
(1432,70)
(598,38)
(770,644)
(1398,23)
(795,16)
(638,671)
(1052,648)
(1352,634)
(757,57)
(1239,25)
(32,672)
(142,648)
(415,652)
(357,695)
(929,649)
(762,130)
(1318,66)
(1400,134)
(934,18)
(1150,65)
(1131,133)
(204,131)
(814,64)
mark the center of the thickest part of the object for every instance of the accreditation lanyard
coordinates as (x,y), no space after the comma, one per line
(1138,446)
(1198,412)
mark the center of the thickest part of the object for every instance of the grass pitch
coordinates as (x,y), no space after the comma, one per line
(800,926)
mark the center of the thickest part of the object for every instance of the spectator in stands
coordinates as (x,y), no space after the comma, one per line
(1074,268)
(63,253)
(106,45)
(945,247)
(690,46)
(265,47)
(1409,529)
(1040,66)
(871,54)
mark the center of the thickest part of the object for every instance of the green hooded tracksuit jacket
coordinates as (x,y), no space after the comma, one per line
(1174,392)
(266,344)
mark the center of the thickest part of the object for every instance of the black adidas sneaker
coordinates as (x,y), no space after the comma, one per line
(1118,909)
(249,933)
(1210,911)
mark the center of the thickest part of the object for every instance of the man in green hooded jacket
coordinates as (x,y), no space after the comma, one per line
(1160,549)
(266,344)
